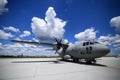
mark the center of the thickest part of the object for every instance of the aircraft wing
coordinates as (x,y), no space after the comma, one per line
(34,43)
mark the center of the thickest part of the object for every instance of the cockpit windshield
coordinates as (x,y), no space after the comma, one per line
(96,42)
(89,43)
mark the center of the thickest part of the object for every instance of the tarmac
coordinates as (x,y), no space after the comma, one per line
(106,68)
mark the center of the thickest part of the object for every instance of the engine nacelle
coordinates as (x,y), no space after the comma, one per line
(67,57)
(60,51)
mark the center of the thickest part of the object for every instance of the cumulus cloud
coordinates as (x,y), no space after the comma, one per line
(10,28)
(65,41)
(110,40)
(25,33)
(0,45)
(106,40)
(4,35)
(23,49)
(88,34)
(48,28)
(16,45)
(17,38)
(2,6)
(115,22)
(34,39)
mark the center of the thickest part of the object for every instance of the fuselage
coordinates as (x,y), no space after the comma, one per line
(85,50)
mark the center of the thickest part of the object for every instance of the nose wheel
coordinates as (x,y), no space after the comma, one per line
(94,61)
(90,61)
(75,59)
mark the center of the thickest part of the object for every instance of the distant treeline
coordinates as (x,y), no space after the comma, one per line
(11,56)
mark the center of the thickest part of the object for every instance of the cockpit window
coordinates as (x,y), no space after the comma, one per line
(88,43)
(96,42)
(91,43)
(84,44)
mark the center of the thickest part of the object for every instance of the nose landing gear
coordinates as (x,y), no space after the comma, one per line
(90,61)
(75,59)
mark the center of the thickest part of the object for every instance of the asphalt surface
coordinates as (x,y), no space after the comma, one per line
(107,68)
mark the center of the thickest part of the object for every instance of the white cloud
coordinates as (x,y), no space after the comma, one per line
(110,40)
(29,45)
(4,35)
(25,33)
(16,45)
(12,49)
(25,49)
(10,28)
(106,40)
(2,6)
(115,21)
(88,34)
(117,41)
(50,27)
(65,41)
(0,45)
(34,39)
(17,38)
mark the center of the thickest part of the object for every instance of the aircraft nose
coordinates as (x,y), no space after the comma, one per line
(106,49)
(102,50)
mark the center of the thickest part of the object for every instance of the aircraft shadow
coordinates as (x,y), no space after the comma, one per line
(55,61)
(83,63)
(93,64)
(59,61)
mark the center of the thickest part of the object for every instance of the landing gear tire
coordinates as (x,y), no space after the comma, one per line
(75,59)
(62,59)
(88,62)
(94,61)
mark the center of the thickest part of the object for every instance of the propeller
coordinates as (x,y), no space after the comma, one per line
(59,45)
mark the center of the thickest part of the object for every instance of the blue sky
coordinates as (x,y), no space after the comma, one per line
(78,15)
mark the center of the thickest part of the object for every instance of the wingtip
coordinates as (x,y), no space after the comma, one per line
(13,40)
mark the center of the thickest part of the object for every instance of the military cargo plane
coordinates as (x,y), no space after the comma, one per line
(87,50)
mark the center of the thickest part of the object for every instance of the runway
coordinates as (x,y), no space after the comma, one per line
(107,68)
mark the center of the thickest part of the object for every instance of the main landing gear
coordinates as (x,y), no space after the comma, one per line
(87,61)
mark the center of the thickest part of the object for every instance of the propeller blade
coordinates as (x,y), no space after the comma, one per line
(60,40)
(59,45)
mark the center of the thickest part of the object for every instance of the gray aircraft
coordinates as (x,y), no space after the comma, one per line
(87,50)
